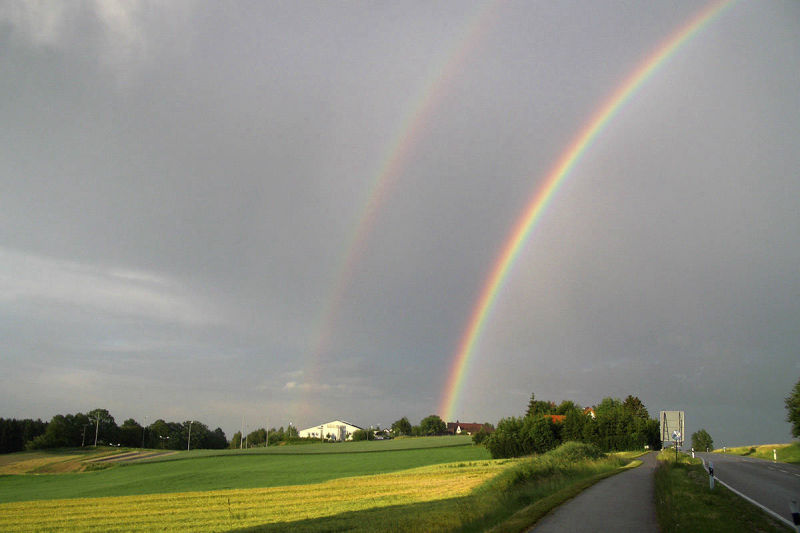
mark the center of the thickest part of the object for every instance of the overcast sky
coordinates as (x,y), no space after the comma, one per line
(194,222)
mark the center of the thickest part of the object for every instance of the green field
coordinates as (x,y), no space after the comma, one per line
(460,489)
(206,470)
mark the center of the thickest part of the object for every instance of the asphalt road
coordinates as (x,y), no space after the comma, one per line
(773,485)
(622,503)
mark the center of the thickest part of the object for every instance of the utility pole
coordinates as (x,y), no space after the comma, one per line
(97,428)
(189,442)
(144,428)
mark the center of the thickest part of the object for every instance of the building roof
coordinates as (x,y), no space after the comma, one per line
(332,422)
(469,427)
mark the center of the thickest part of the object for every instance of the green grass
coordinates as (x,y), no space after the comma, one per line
(223,510)
(234,470)
(316,448)
(474,495)
(787,453)
(685,503)
(510,501)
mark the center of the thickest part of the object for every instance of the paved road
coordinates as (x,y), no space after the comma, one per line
(773,485)
(622,503)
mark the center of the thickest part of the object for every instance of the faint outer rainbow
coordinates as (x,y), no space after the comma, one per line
(540,200)
(403,143)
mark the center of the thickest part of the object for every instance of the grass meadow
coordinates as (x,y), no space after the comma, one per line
(381,487)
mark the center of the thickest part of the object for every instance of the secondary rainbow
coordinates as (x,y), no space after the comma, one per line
(409,133)
(545,193)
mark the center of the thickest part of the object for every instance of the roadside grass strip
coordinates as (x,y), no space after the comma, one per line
(685,503)
(231,509)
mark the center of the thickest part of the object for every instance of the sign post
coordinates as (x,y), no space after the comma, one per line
(676,436)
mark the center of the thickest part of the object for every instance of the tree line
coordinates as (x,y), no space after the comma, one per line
(430,425)
(258,437)
(99,427)
(612,425)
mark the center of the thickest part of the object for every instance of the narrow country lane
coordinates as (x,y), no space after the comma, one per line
(622,503)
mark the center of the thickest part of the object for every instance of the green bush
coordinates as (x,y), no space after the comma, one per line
(480,436)
(577,451)
(362,434)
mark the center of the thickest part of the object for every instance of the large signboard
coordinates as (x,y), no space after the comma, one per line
(672,426)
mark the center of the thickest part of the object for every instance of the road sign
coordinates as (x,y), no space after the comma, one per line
(672,426)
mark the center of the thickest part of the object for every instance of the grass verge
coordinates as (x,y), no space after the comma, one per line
(685,503)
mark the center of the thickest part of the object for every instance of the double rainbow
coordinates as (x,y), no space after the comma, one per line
(545,193)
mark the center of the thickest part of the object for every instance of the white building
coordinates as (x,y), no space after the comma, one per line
(336,430)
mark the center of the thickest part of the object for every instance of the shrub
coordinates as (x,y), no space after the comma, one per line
(577,451)
(480,436)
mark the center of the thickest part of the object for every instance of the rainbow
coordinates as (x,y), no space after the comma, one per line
(409,134)
(545,193)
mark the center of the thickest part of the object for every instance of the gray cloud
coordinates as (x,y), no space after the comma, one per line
(179,183)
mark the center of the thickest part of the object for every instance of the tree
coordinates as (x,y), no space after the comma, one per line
(236,440)
(401,427)
(105,429)
(793,409)
(217,440)
(158,434)
(536,407)
(130,433)
(506,441)
(257,438)
(539,434)
(701,440)
(566,407)
(573,426)
(363,434)
(635,407)
(62,431)
(432,425)
(482,434)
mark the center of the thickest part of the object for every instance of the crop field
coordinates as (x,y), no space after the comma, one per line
(222,510)
(454,488)
(231,469)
